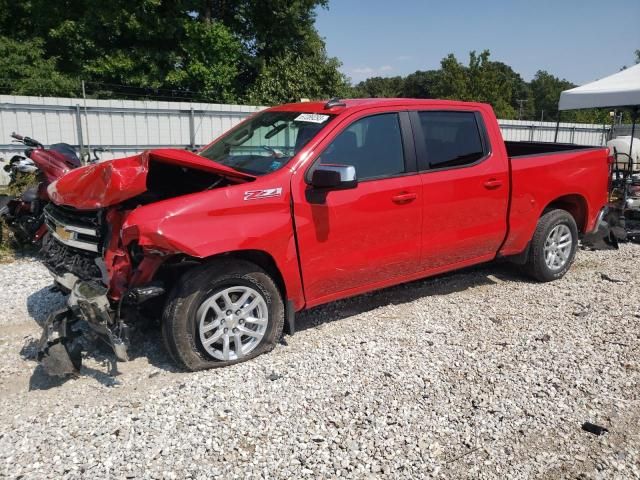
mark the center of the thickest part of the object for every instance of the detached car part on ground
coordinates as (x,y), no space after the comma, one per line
(298,206)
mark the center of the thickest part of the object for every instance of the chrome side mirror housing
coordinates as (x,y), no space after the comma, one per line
(334,177)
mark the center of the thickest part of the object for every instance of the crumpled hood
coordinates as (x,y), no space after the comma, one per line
(110,182)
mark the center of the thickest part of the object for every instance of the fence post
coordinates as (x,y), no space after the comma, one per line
(192,129)
(79,130)
(531,129)
(573,134)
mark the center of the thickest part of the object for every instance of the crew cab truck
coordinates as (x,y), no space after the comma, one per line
(297,206)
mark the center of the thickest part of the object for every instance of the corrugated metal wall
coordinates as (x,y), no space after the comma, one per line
(124,126)
(127,127)
(578,133)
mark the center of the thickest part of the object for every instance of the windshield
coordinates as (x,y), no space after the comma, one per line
(266,142)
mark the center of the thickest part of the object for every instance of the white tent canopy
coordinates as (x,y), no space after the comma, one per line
(621,89)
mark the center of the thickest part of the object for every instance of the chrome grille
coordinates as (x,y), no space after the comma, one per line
(75,229)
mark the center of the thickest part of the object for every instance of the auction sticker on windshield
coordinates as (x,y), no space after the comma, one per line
(311,117)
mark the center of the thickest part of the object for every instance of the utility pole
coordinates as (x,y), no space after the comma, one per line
(520,102)
(86,122)
(542,115)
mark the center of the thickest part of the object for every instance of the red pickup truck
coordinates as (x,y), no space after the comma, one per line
(300,205)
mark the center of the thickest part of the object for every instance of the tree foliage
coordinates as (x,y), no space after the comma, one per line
(215,50)
(483,80)
(290,77)
(245,51)
(379,87)
(421,84)
(545,91)
(25,71)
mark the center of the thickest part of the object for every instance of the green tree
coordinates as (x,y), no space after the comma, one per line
(546,90)
(211,49)
(491,82)
(209,62)
(25,71)
(483,80)
(268,27)
(452,80)
(289,78)
(379,87)
(421,84)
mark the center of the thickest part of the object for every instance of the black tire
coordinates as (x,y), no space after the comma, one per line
(536,265)
(180,325)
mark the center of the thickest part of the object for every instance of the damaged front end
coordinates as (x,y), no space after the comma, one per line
(92,267)
(97,253)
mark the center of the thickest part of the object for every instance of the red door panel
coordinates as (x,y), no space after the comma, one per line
(465,176)
(358,237)
(465,213)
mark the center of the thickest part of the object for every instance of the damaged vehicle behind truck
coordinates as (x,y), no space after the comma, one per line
(300,205)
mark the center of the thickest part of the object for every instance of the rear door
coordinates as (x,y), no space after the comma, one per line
(352,240)
(465,188)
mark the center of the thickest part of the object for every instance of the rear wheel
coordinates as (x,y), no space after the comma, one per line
(553,246)
(225,312)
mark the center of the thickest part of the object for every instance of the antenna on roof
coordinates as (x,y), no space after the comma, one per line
(334,102)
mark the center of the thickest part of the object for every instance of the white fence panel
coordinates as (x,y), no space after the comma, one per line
(125,127)
(578,133)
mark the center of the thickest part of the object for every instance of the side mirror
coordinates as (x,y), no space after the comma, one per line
(335,177)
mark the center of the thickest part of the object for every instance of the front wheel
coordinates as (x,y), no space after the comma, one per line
(553,246)
(225,312)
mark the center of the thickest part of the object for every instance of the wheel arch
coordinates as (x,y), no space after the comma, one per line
(575,204)
(262,259)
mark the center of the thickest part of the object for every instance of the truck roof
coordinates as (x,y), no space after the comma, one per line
(351,105)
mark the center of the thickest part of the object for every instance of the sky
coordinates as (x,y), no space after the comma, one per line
(577,40)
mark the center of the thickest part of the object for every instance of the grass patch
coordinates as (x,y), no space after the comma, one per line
(22,182)
(11,248)
(7,247)
(7,255)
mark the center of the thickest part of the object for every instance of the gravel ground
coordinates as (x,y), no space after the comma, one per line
(476,374)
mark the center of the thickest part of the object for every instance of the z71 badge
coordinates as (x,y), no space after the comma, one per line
(266,193)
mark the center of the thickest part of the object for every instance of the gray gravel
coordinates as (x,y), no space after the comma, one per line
(477,374)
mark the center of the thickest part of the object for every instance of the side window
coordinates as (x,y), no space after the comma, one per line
(373,145)
(452,139)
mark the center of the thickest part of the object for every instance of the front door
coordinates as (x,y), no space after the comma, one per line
(352,239)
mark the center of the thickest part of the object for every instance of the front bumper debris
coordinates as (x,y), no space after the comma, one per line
(60,347)
(88,301)
(59,350)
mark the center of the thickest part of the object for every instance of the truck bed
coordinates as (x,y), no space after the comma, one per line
(523,149)
(581,173)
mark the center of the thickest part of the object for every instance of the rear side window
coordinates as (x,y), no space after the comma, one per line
(452,139)
(373,145)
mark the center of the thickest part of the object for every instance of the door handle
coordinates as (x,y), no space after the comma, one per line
(492,184)
(405,197)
